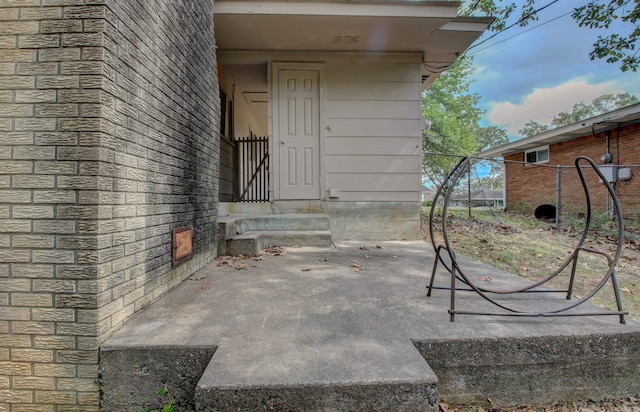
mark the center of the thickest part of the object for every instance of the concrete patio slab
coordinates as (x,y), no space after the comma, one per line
(350,328)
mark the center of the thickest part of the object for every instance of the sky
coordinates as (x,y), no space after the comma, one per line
(536,72)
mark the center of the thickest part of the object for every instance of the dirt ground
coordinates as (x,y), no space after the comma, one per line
(533,249)
(630,404)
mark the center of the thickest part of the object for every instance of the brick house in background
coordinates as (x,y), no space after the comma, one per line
(612,140)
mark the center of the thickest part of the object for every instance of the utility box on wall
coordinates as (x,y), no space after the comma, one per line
(610,172)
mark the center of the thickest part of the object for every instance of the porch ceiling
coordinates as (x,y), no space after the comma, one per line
(427,27)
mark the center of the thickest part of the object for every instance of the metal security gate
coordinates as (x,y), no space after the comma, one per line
(253,168)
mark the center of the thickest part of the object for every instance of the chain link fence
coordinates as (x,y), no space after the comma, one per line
(552,192)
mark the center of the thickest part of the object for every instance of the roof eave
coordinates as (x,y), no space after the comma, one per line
(596,124)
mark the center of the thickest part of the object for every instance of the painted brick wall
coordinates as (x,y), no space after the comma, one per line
(108,120)
(529,185)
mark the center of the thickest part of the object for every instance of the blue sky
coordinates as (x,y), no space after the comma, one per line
(534,73)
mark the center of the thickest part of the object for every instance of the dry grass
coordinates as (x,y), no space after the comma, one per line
(533,249)
(629,404)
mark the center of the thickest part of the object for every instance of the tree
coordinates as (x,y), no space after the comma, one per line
(581,111)
(454,117)
(532,128)
(490,136)
(609,102)
(596,14)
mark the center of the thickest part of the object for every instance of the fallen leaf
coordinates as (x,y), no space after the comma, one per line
(379,247)
(367,257)
(324,260)
(242,266)
(306,269)
(275,250)
(627,290)
(205,288)
(354,269)
(443,407)
(364,248)
(394,257)
(485,278)
(259,258)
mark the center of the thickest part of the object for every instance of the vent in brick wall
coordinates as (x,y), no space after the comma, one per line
(182,241)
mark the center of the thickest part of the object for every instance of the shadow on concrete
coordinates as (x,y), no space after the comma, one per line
(351,328)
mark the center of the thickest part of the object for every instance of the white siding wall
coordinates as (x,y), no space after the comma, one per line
(373,131)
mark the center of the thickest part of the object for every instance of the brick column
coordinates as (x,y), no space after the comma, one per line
(108,115)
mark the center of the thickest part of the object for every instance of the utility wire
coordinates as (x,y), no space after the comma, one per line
(522,32)
(523,18)
(440,69)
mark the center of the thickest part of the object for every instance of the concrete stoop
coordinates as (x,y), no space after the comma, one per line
(131,377)
(539,370)
(309,331)
(511,371)
(250,234)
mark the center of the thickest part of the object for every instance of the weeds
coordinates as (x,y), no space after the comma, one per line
(168,406)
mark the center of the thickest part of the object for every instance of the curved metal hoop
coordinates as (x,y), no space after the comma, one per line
(458,274)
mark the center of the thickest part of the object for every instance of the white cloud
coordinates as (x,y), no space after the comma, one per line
(543,103)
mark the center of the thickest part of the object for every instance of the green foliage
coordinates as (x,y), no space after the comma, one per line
(454,115)
(532,128)
(616,47)
(597,15)
(490,136)
(168,406)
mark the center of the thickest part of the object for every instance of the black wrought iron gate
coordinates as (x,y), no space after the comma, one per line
(252,169)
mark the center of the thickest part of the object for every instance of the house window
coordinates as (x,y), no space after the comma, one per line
(539,155)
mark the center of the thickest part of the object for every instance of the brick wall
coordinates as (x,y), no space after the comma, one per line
(531,185)
(108,120)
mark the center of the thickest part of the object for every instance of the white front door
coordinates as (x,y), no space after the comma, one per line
(299,125)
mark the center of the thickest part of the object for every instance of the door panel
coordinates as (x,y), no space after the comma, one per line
(299,108)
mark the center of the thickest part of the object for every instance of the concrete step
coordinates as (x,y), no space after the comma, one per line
(251,243)
(289,374)
(234,225)
(248,235)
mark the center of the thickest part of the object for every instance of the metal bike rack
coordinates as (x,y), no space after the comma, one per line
(458,274)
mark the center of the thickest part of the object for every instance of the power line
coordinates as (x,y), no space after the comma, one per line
(523,18)
(440,69)
(522,32)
